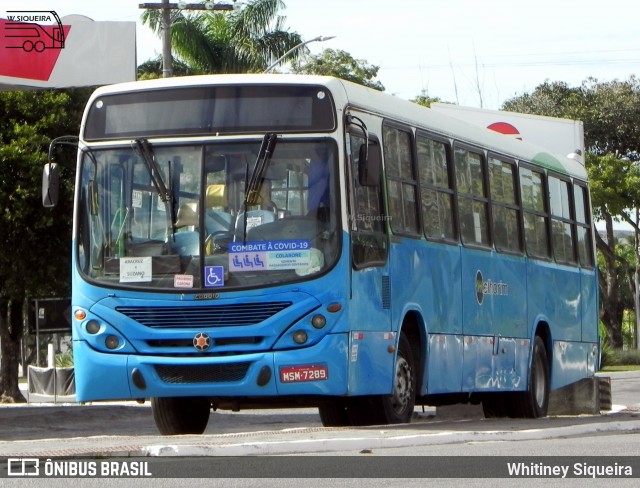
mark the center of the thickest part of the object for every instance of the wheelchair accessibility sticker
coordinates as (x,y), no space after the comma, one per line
(269,255)
(213,276)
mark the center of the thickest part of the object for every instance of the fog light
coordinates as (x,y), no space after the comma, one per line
(300,337)
(318,321)
(93,327)
(112,342)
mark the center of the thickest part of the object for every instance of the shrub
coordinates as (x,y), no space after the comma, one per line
(65,359)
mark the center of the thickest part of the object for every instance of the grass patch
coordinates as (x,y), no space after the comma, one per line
(620,367)
(619,357)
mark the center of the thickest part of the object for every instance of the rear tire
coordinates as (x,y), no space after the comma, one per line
(534,402)
(181,415)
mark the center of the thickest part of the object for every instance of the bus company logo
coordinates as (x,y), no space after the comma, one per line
(25,29)
(489,287)
(202,341)
(23,467)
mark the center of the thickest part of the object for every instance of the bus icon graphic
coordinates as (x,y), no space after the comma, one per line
(25,31)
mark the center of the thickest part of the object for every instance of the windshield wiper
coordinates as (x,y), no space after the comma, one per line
(253,183)
(165,194)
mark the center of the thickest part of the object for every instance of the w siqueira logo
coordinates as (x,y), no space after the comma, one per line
(26,30)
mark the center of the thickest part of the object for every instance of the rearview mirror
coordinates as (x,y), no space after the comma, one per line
(50,185)
(369,164)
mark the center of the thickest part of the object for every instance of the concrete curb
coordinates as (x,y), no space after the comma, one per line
(358,443)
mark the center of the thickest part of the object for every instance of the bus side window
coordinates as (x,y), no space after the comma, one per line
(561,222)
(504,204)
(401,180)
(436,189)
(473,203)
(536,228)
(583,221)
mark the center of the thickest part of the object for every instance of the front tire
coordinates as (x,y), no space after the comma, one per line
(181,415)
(396,408)
(334,415)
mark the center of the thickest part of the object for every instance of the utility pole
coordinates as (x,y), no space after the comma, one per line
(166,7)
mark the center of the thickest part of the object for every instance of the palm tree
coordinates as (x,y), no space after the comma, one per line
(241,41)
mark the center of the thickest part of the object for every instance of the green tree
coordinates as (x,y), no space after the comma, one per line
(425,100)
(242,41)
(341,65)
(610,112)
(35,242)
(152,69)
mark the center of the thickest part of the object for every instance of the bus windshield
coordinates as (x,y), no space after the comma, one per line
(175,217)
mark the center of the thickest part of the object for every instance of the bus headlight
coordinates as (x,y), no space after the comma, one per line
(112,342)
(93,327)
(318,321)
(300,337)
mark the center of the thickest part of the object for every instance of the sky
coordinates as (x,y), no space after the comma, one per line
(477,53)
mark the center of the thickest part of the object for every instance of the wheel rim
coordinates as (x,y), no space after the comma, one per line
(403,387)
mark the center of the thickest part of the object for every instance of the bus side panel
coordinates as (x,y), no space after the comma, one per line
(494,294)
(444,368)
(437,287)
(494,303)
(562,311)
(371,362)
(495,364)
(367,308)
(572,361)
(554,291)
(427,274)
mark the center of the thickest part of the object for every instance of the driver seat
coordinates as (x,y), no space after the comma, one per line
(216,218)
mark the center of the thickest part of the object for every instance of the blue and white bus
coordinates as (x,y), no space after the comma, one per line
(243,241)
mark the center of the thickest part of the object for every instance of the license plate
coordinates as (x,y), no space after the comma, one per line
(311,372)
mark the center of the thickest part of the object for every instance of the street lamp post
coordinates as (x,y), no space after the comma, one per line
(294,48)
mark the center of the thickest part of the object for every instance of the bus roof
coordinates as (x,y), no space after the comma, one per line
(374,101)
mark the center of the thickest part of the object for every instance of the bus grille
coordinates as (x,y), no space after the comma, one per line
(204,316)
(208,373)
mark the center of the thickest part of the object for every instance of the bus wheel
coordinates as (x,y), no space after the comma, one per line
(534,402)
(334,415)
(398,407)
(181,415)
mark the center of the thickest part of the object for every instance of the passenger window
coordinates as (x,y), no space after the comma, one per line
(436,189)
(583,226)
(536,233)
(504,206)
(473,203)
(561,224)
(401,181)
